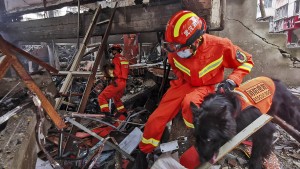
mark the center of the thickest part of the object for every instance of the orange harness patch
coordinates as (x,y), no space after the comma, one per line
(257,92)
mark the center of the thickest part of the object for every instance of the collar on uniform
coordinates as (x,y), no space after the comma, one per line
(117,55)
(203,44)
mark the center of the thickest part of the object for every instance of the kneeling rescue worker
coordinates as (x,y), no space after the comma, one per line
(116,88)
(198,60)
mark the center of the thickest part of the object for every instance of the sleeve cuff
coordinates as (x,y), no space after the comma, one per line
(237,80)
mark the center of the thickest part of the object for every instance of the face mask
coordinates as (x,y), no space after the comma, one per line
(185,53)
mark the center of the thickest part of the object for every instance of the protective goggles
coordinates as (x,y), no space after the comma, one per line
(172,47)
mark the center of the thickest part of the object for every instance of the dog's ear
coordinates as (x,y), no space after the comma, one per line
(234,99)
(195,109)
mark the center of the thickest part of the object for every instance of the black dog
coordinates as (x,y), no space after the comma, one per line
(220,118)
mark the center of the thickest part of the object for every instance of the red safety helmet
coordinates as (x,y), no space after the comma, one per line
(183,29)
(115,47)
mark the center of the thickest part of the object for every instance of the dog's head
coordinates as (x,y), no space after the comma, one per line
(214,125)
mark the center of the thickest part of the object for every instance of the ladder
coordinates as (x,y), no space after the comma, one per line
(10,59)
(75,64)
(91,78)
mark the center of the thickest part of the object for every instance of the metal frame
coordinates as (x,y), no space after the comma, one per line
(11,59)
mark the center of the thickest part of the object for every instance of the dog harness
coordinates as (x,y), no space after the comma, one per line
(257,92)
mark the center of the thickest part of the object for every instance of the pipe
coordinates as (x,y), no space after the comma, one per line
(78,24)
(287,127)
(222,16)
(60,145)
(9,92)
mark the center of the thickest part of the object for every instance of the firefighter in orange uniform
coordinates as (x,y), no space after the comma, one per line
(198,60)
(117,87)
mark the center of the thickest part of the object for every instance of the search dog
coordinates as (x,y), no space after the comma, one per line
(221,116)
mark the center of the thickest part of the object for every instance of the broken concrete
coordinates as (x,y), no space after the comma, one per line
(18,144)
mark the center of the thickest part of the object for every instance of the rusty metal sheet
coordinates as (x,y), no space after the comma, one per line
(57,120)
(4,65)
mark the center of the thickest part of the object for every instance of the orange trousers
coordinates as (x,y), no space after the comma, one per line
(114,92)
(176,97)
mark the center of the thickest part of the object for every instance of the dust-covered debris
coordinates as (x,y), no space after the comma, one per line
(12,136)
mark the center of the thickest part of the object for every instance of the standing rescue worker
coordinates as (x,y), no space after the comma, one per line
(198,60)
(116,89)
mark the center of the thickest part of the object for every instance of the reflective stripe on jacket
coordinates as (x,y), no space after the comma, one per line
(206,67)
(121,66)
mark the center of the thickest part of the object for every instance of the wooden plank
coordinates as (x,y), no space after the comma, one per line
(30,57)
(241,136)
(100,52)
(103,22)
(4,65)
(91,78)
(86,40)
(78,73)
(57,120)
(68,81)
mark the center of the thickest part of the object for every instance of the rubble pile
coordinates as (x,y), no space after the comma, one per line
(13,135)
(126,131)
(112,142)
(94,130)
(65,54)
(10,102)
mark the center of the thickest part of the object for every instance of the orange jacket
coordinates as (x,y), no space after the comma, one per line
(257,92)
(121,66)
(206,67)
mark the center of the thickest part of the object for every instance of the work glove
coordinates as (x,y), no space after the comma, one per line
(226,86)
(108,70)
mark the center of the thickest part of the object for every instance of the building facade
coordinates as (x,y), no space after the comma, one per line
(286,20)
(292,24)
(283,17)
(269,8)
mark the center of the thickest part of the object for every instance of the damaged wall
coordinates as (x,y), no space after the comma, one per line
(19,4)
(132,19)
(243,30)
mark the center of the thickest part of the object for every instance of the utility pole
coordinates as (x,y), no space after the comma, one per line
(2,11)
(262,8)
